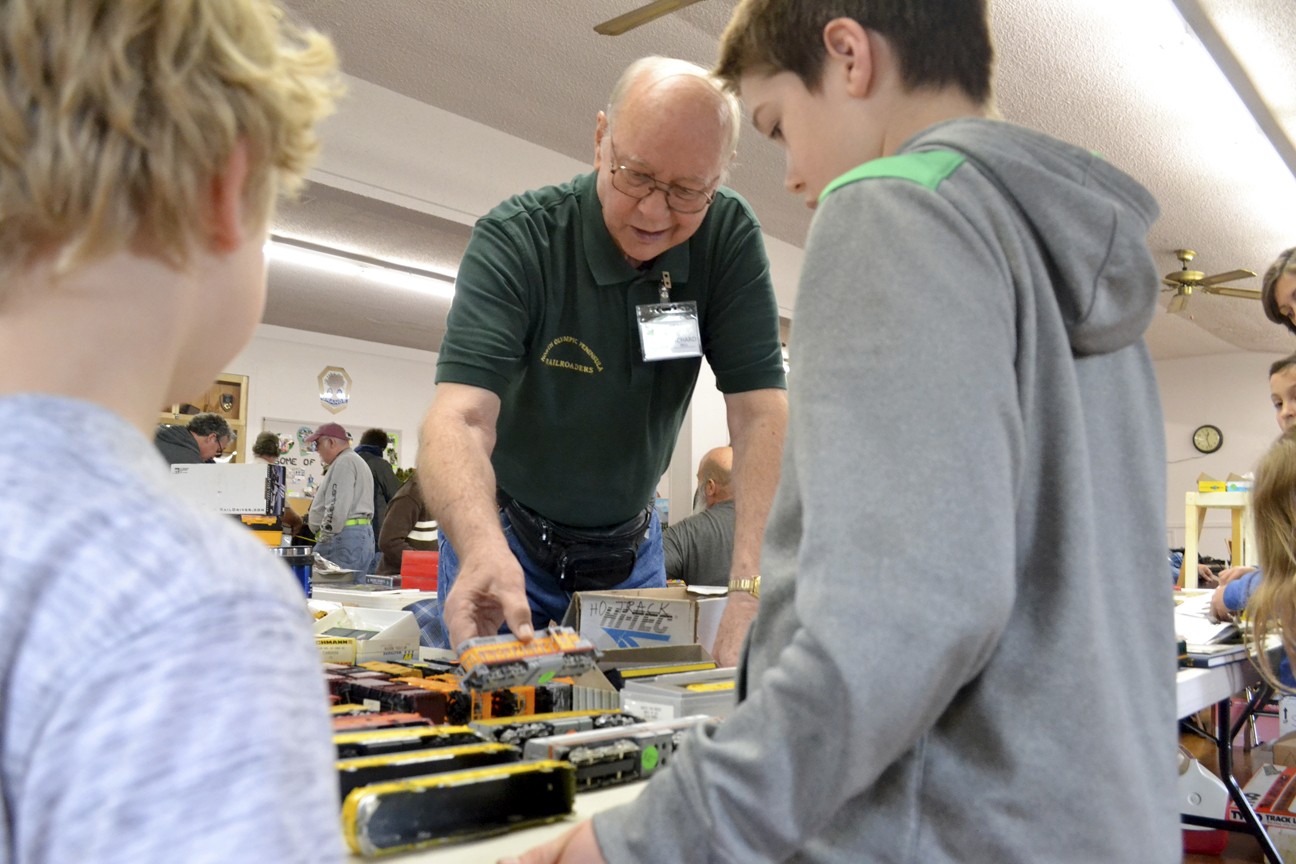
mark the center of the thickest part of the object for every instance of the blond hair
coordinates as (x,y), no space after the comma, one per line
(116,115)
(1272,605)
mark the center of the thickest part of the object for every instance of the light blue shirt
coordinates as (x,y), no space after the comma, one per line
(160,695)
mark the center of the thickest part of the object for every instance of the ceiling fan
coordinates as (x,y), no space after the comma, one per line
(1185,282)
(637,17)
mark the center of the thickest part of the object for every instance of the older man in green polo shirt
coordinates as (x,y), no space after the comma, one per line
(580,318)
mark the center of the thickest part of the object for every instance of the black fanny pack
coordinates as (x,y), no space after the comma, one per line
(583,559)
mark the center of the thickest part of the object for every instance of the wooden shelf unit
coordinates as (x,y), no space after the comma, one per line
(1242,550)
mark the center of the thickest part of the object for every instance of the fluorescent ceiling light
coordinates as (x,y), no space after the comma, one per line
(305,254)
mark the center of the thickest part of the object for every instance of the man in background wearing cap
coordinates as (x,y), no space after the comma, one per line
(341,514)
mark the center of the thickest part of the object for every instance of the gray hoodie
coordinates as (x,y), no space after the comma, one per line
(965,649)
(177,445)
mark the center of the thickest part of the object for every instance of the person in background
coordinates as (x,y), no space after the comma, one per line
(142,145)
(341,513)
(1278,290)
(555,413)
(699,549)
(409,526)
(266,448)
(928,607)
(372,449)
(1238,584)
(1272,605)
(205,437)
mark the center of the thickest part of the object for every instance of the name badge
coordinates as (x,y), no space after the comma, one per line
(668,331)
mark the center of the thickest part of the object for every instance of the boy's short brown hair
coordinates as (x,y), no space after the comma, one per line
(937,42)
(115,115)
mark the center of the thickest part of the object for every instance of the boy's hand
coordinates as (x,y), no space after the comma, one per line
(577,846)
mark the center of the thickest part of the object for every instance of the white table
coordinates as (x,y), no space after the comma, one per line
(1201,688)
(517,842)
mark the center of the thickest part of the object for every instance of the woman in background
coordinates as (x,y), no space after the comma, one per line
(267,450)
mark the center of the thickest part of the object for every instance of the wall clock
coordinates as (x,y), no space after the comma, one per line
(1207,438)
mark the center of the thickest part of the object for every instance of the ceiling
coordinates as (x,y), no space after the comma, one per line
(455,104)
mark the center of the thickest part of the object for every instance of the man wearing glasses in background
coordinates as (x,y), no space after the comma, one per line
(580,316)
(205,437)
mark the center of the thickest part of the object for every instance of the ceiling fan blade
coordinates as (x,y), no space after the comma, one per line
(1178,304)
(637,17)
(1223,291)
(1227,277)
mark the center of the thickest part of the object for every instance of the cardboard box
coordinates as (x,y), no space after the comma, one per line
(1271,791)
(645,617)
(1287,721)
(1233,483)
(1207,483)
(256,489)
(1284,749)
(390,635)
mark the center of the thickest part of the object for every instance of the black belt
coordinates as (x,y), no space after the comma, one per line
(582,559)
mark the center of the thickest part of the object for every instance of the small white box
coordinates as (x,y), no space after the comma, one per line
(384,598)
(683,694)
(389,634)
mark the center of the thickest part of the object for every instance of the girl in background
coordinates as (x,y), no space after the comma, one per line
(1272,606)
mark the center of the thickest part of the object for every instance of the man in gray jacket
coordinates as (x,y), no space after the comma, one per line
(341,515)
(206,437)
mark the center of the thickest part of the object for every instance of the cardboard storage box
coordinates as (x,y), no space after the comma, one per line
(256,489)
(1284,749)
(1270,791)
(385,634)
(645,617)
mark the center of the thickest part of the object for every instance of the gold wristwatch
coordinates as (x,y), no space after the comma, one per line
(750,584)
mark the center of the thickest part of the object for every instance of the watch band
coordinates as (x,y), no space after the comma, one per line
(749,584)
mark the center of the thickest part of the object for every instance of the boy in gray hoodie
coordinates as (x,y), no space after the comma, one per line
(975,431)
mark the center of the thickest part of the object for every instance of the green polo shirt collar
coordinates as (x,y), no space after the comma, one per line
(606,262)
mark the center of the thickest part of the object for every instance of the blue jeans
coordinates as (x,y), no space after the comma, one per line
(352,549)
(548,599)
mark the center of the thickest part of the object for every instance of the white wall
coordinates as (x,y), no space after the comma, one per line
(390,387)
(1230,391)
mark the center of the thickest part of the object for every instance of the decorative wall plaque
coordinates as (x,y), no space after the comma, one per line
(335,388)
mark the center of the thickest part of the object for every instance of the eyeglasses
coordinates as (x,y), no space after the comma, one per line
(639,185)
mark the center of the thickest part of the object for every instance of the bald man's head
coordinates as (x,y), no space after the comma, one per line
(715,475)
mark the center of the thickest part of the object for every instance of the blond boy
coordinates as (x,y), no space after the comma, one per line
(160,698)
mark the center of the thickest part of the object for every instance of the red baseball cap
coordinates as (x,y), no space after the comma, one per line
(330,430)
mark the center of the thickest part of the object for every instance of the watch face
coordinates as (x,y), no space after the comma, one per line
(1207,439)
